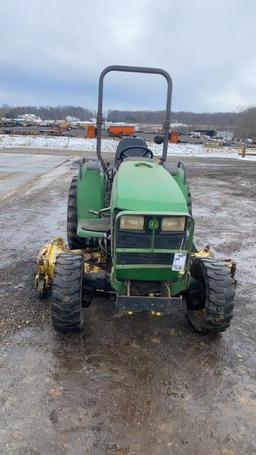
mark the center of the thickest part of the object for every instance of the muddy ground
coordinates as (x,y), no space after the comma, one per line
(131,385)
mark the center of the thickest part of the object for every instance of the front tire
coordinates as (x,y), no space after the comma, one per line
(210,297)
(67,309)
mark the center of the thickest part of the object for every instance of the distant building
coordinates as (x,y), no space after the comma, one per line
(225,135)
(204,132)
(29,119)
(71,119)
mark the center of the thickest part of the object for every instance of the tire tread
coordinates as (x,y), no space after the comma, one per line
(67,293)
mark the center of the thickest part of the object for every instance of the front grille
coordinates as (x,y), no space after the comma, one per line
(125,239)
(171,241)
(144,258)
(130,239)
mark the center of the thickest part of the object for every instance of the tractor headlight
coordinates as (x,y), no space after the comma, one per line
(132,222)
(173,224)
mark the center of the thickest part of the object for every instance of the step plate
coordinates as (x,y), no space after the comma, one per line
(164,305)
(100,225)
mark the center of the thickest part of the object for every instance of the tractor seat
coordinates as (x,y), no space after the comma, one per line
(97,224)
(129,142)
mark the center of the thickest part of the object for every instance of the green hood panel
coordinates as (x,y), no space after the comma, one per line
(145,185)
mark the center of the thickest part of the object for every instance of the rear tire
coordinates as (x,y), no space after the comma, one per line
(75,242)
(67,310)
(210,296)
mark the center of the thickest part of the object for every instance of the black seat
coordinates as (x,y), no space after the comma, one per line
(130,142)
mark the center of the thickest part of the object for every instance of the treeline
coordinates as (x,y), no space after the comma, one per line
(243,123)
(47,112)
(246,124)
(188,118)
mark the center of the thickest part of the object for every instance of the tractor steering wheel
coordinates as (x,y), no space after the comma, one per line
(147,153)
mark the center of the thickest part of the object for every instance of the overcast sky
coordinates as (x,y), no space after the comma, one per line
(52,51)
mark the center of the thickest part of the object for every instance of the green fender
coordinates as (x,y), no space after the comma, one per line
(90,190)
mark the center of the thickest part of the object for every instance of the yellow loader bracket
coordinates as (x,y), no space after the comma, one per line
(206,253)
(45,264)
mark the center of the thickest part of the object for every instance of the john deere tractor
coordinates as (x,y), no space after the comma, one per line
(130,232)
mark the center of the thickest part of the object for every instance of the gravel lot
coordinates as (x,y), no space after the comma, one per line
(125,385)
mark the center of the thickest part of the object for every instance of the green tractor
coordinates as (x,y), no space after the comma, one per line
(130,231)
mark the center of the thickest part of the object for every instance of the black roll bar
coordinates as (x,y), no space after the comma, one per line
(134,69)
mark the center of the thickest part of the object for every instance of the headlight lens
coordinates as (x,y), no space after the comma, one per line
(173,224)
(132,222)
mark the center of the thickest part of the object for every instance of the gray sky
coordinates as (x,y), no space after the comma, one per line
(52,51)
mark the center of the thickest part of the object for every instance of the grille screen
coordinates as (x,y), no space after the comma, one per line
(144,239)
(145,258)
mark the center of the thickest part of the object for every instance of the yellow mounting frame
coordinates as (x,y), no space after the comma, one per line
(45,263)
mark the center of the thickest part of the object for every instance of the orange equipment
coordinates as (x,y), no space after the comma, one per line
(91,131)
(173,137)
(119,131)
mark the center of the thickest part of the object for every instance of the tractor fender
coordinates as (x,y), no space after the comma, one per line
(90,189)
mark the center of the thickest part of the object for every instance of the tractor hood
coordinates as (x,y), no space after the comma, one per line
(143,185)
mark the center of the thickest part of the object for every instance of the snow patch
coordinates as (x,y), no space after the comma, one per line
(109,146)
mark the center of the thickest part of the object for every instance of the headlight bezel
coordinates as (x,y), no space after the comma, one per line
(178,224)
(125,226)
